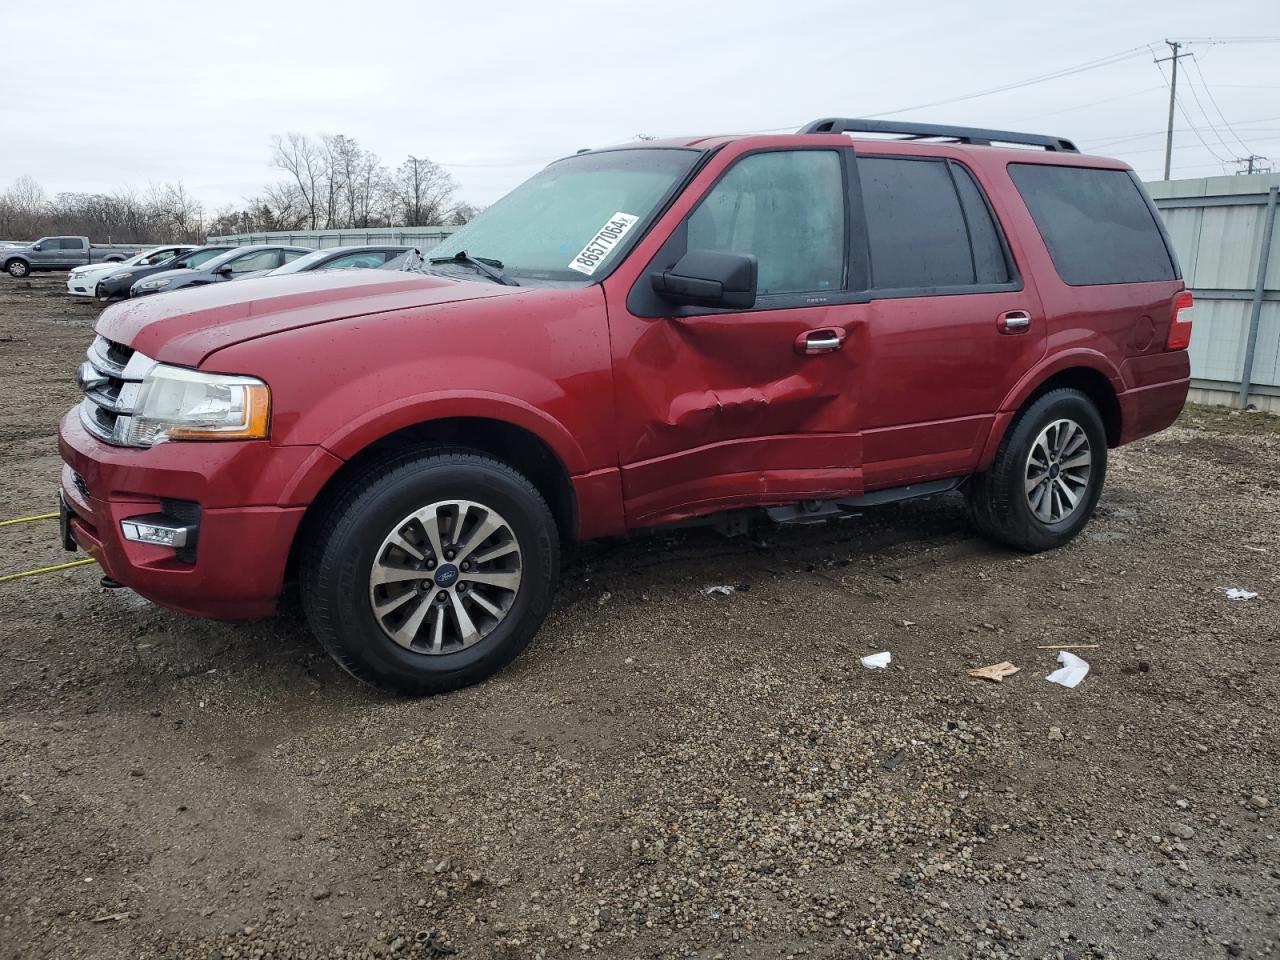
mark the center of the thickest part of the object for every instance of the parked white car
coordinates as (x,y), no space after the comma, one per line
(83,281)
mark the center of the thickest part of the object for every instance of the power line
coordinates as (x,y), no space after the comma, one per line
(1205,113)
(1018,84)
(1093,103)
(1108,141)
(1195,61)
(1015,85)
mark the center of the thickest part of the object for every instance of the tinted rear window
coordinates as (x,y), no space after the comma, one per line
(928,226)
(1097,224)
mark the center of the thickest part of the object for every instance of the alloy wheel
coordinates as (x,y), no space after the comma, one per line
(1059,467)
(445,577)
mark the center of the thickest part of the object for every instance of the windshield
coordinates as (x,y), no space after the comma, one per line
(227,256)
(133,261)
(198,258)
(568,222)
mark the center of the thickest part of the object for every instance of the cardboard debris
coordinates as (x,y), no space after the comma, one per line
(996,672)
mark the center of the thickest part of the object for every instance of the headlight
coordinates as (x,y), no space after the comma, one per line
(175,403)
(153,284)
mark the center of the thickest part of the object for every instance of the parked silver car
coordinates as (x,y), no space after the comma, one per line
(232,265)
(339,258)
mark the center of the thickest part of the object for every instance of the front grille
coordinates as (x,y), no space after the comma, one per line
(110,379)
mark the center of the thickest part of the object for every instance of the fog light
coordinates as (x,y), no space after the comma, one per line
(157,530)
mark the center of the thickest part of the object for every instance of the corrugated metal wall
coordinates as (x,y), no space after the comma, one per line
(1216,224)
(424,238)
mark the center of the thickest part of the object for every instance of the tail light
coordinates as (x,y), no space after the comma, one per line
(1180,328)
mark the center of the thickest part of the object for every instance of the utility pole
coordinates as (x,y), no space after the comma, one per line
(1253,164)
(1175,56)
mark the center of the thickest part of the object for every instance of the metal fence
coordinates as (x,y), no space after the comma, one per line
(1224,231)
(424,238)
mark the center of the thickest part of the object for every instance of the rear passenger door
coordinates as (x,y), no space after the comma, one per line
(72,252)
(951,326)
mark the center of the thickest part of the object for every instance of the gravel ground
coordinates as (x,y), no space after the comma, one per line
(666,773)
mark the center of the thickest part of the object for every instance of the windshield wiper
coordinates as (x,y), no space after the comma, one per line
(489,267)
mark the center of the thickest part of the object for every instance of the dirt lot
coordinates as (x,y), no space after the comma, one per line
(665,773)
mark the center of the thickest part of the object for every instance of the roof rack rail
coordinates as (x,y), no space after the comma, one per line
(919,131)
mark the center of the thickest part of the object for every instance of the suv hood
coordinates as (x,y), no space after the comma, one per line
(188,326)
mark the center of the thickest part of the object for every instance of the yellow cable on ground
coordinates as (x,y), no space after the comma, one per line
(42,516)
(32,573)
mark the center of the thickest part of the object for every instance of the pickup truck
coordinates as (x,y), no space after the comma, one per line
(63,253)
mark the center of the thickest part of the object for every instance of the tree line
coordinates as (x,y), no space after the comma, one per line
(328,182)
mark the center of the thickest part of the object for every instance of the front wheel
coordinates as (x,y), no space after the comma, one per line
(431,571)
(1046,478)
(18,268)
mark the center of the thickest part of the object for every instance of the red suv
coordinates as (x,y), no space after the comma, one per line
(636,336)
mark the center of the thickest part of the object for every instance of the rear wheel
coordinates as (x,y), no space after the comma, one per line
(1047,476)
(17,268)
(431,571)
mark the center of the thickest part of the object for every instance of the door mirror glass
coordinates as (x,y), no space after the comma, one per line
(709,278)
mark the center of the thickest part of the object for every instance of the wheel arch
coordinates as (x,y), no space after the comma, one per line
(1090,373)
(502,439)
(5,261)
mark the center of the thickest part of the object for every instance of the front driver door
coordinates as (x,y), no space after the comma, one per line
(720,409)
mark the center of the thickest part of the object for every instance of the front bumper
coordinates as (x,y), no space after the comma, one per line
(110,288)
(237,569)
(81,286)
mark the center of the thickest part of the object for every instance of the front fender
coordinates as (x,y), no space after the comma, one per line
(404,412)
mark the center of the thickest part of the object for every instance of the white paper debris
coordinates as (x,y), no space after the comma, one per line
(1072,671)
(723,589)
(877,661)
(1236,593)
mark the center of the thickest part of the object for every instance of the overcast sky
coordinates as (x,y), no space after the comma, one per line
(99,95)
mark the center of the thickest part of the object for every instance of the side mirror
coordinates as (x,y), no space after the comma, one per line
(225,270)
(37,246)
(708,278)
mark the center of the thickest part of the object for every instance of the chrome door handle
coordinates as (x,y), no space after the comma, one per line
(1013,321)
(827,340)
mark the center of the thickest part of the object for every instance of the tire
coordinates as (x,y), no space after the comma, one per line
(17,269)
(1014,502)
(355,538)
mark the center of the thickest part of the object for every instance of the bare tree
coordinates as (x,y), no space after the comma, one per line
(22,208)
(298,156)
(422,192)
(461,214)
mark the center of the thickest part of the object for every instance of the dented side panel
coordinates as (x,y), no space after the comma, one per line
(722,411)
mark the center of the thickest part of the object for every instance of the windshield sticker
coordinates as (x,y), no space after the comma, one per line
(594,253)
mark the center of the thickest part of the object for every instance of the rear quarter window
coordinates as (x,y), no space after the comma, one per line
(1097,224)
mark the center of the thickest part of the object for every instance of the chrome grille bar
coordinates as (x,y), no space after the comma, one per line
(110,379)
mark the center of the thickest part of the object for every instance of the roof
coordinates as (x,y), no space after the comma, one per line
(898,132)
